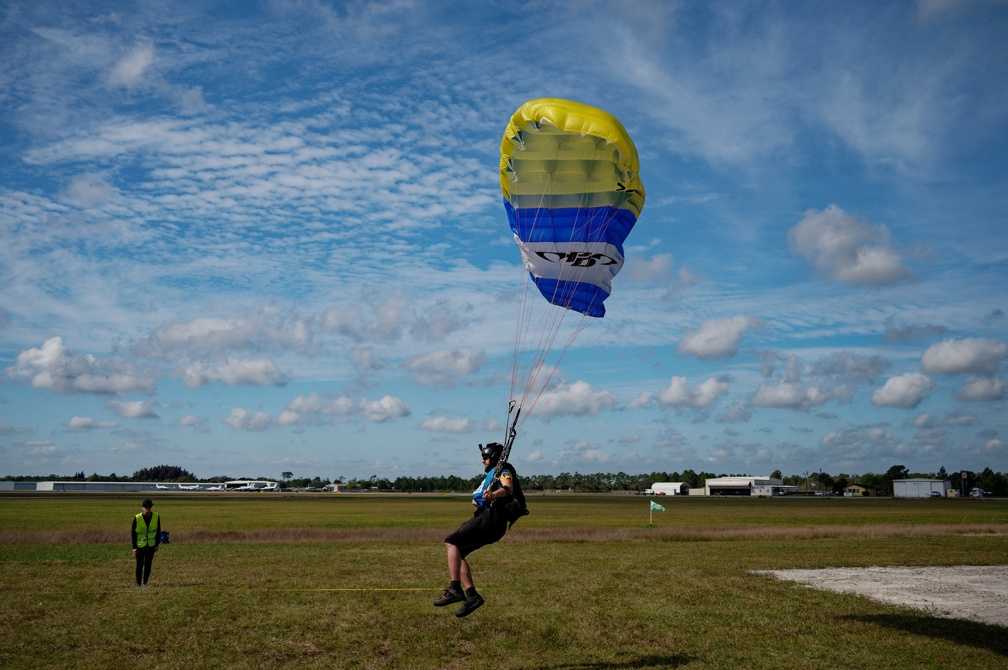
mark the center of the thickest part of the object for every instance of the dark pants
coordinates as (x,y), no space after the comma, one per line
(144,558)
(485,528)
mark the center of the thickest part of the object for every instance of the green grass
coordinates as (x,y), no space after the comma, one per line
(347,582)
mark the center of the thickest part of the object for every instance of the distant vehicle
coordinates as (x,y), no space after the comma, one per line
(936,494)
(978,493)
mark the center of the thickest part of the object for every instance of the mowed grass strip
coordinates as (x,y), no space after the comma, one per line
(642,602)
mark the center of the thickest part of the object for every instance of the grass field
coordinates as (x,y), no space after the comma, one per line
(346,581)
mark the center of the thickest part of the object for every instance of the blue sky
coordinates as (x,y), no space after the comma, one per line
(248,238)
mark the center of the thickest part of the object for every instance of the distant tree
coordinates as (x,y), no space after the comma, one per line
(993,483)
(286,474)
(893,473)
(777,474)
(163,473)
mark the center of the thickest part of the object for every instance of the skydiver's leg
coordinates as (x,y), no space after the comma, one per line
(455,561)
(466,576)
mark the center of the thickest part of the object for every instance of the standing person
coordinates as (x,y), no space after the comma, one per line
(146,538)
(499,503)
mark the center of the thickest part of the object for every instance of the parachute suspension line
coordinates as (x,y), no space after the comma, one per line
(529,362)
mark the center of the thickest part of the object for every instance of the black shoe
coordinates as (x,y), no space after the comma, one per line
(450,596)
(471,603)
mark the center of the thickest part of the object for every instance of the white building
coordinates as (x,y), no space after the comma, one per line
(743,486)
(920,488)
(668,489)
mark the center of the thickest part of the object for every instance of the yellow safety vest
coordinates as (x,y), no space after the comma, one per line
(146,532)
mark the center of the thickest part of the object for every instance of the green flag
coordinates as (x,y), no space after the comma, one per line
(656,507)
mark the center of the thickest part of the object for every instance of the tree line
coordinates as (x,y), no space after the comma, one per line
(994,483)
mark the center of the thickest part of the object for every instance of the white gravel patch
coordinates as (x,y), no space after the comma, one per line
(973,592)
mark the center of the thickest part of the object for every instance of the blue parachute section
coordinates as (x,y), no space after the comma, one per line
(587,248)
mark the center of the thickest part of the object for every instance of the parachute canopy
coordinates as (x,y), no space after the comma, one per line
(570,178)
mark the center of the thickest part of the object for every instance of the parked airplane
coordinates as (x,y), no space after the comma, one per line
(189,487)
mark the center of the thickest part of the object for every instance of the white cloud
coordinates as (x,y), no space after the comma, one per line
(736,413)
(700,396)
(239,419)
(54,367)
(87,423)
(258,372)
(129,70)
(210,337)
(906,390)
(388,408)
(134,409)
(339,406)
(575,399)
(982,389)
(978,355)
(445,367)
(788,395)
(845,249)
(441,424)
(717,338)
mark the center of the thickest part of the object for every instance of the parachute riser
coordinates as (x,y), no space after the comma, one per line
(508,441)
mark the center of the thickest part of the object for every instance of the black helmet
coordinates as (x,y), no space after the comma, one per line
(492,451)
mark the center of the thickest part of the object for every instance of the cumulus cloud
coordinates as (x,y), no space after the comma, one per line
(979,355)
(576,399)
(850,367)
(134,409)
(442,424)
(445,367)
(255,372)
(702,395)
(309,408)
(383,322)
(87,423)
(908,332)
(588,452)
(788,395)
(54,367)
(717,338)
(906,390)
(340,406)
(388,408)
(843,248)
(982,389)
(214,337)
(240,419)
(736,413)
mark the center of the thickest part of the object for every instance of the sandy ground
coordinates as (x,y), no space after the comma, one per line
(977,593)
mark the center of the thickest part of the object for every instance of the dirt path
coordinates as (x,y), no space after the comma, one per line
(978,593)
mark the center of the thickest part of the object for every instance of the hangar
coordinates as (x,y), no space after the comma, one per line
(668,489)
(920,488)
(743,486)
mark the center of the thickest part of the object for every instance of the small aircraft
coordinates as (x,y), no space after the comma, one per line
(219,487)
(161,487)
(189,487)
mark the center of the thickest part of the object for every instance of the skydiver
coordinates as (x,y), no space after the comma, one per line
(499,503)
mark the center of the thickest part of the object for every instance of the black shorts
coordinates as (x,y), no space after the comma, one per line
(483,529)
